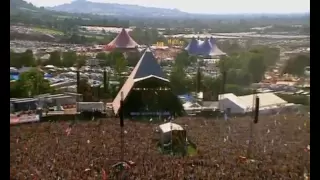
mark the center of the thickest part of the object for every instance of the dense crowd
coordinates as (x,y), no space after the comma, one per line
(87,150)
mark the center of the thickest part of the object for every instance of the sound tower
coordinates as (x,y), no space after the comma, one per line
(121,111)
(224,79)
(78,81)
(105,81)
(256,113)
(198,83)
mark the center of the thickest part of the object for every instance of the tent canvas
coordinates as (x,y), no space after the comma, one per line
(122,41)
(193,46)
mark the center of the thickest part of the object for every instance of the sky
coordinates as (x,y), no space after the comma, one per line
(208,6)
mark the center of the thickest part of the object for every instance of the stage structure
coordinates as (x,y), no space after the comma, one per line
(147,91)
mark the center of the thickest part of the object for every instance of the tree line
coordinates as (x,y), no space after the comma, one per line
(242,69)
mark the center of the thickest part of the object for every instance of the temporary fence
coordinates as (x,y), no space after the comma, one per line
(24,119)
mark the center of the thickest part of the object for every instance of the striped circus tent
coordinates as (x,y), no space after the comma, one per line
(193,47)
(122,41)
(208,47)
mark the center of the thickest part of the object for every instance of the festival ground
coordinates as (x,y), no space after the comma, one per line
(51,150)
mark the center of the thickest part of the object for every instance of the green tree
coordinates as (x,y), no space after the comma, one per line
(271,55)
(22,59)
(69,58)
(86,90)
(120,66)
(297,64)
(178,80)
(81,61)
(113,56)
(239,77)
(102,56)
(55,59)
(256,67)
(183,59)
(29,84)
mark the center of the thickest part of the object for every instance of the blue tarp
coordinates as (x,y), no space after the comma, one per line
(186,97)
(47,75)
(14,77)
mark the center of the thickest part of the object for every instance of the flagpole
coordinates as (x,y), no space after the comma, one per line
(121,112)
(171,135)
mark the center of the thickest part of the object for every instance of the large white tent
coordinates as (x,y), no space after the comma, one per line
(241,104)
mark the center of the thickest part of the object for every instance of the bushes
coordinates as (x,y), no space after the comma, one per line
(296,99)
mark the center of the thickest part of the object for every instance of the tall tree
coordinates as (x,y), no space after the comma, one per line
(178,80)
(121,65)
(256,67)
(69,58)
(55,58)
(30,83)
(297,64)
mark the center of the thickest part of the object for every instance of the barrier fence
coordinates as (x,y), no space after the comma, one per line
(24,119)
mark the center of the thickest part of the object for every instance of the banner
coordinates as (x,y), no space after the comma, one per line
(24,119)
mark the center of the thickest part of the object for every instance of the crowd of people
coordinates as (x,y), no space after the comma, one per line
(87,150)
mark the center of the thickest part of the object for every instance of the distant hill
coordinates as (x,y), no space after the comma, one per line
(112,9)
(20,5)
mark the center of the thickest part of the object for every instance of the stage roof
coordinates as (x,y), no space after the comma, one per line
(146,68)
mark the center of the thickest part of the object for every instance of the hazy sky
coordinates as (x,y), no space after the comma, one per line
(209,6)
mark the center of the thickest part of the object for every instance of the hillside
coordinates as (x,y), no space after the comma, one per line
(20,5)
(111,9)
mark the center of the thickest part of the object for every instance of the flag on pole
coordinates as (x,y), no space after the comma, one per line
(104,175)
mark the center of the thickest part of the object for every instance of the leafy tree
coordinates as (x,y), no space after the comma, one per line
(256,67)
(113,57)
(178,80)
(296,65)
(86,90)
(121,65)
(29,84)
(81,61)
(183,59)
(239,77)
(270,55)
(69,58)
(102,56)
(211,88)
(198,80)
(22,59)
(55,59)
(238,90)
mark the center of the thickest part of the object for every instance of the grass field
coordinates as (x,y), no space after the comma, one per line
(97,37)
(47,31)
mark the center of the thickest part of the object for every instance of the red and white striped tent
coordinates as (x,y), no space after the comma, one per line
(122,41)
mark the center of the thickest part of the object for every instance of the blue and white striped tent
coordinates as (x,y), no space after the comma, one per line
(208,47)
(193,47)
